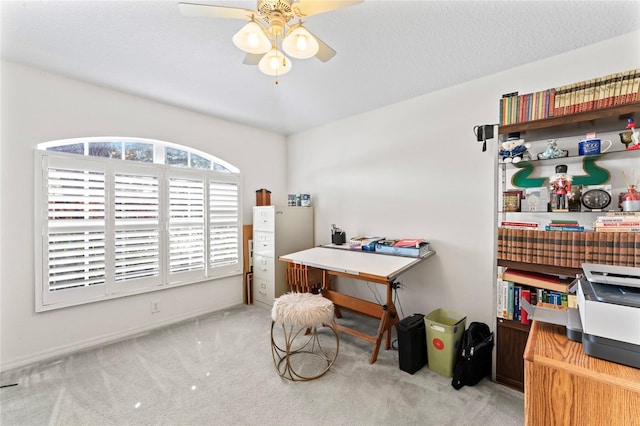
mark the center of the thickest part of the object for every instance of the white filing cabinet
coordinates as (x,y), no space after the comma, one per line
(277,231)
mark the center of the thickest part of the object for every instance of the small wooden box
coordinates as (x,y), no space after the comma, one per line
(263,197)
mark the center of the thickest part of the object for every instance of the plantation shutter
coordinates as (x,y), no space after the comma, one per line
(108,228)
(224,228)
(74,233)
(137,228)
(186,227)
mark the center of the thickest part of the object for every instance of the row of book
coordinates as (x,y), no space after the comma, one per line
(603,92)
(564,225)
(623,223)
(516,108)
(509,295)
(568,249)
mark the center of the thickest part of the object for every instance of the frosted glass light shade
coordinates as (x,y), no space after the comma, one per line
(252,39)
(300,44)
(274,63)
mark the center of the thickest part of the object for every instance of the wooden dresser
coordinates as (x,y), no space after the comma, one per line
(565,386)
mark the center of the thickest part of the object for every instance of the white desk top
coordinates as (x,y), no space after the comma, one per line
(354,262)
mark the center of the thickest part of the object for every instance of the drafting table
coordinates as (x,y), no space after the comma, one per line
(359,265)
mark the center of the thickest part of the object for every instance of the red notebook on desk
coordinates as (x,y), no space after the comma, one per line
(409,242)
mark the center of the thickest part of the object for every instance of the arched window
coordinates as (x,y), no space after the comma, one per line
(121,216)
(138,149)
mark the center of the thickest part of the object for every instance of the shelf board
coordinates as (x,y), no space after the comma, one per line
(544,269)
(609,155)
(516,325)
(603,115)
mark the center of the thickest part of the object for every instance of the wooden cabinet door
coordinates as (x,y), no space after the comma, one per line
(510,342)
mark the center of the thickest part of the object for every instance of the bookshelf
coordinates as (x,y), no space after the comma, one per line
(563,254)
(604,116)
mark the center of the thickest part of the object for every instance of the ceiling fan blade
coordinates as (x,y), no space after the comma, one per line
(210,11)
(303,8)
(325,52)
(252,58)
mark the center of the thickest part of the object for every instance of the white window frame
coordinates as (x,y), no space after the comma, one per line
(48,300)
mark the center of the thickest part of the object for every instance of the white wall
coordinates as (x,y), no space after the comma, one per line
(414,169)
(410,169)
(38,107)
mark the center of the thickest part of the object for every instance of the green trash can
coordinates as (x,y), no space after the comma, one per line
(444,330)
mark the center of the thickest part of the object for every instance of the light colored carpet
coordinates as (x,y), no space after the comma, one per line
(218,370)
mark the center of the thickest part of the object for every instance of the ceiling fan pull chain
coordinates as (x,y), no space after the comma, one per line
(275,43)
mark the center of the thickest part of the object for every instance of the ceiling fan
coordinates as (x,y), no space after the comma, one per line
(269,28)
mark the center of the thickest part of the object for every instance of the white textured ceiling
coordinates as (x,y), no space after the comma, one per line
(388,51)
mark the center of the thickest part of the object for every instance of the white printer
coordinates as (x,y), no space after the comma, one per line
(607,320)
(609,305)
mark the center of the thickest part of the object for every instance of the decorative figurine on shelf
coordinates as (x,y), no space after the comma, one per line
(631,200)
(625,138)
(635,134)
(560,184)
(552,151)
(514,149)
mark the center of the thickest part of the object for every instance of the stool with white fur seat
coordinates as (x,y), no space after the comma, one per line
(308,344)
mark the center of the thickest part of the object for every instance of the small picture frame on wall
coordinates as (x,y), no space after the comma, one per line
(511,201)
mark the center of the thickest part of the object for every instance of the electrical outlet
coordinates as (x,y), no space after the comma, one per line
(155,306)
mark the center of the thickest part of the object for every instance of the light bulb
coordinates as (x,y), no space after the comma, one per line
(300,44)
(252,39)
(274,63)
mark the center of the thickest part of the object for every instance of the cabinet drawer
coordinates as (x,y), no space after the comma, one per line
(263,290)
(263,243)
(263,219)
(263,267)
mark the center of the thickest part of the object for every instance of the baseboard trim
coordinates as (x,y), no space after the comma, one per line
(58,352)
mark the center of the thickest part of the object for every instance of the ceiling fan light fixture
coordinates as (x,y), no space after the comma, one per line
(274,63)
(252,39)
(270,28)
(300,44)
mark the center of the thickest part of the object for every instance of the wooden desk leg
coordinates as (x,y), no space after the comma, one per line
(326,285)
(388,320)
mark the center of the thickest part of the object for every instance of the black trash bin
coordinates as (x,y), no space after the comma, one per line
(412,343)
